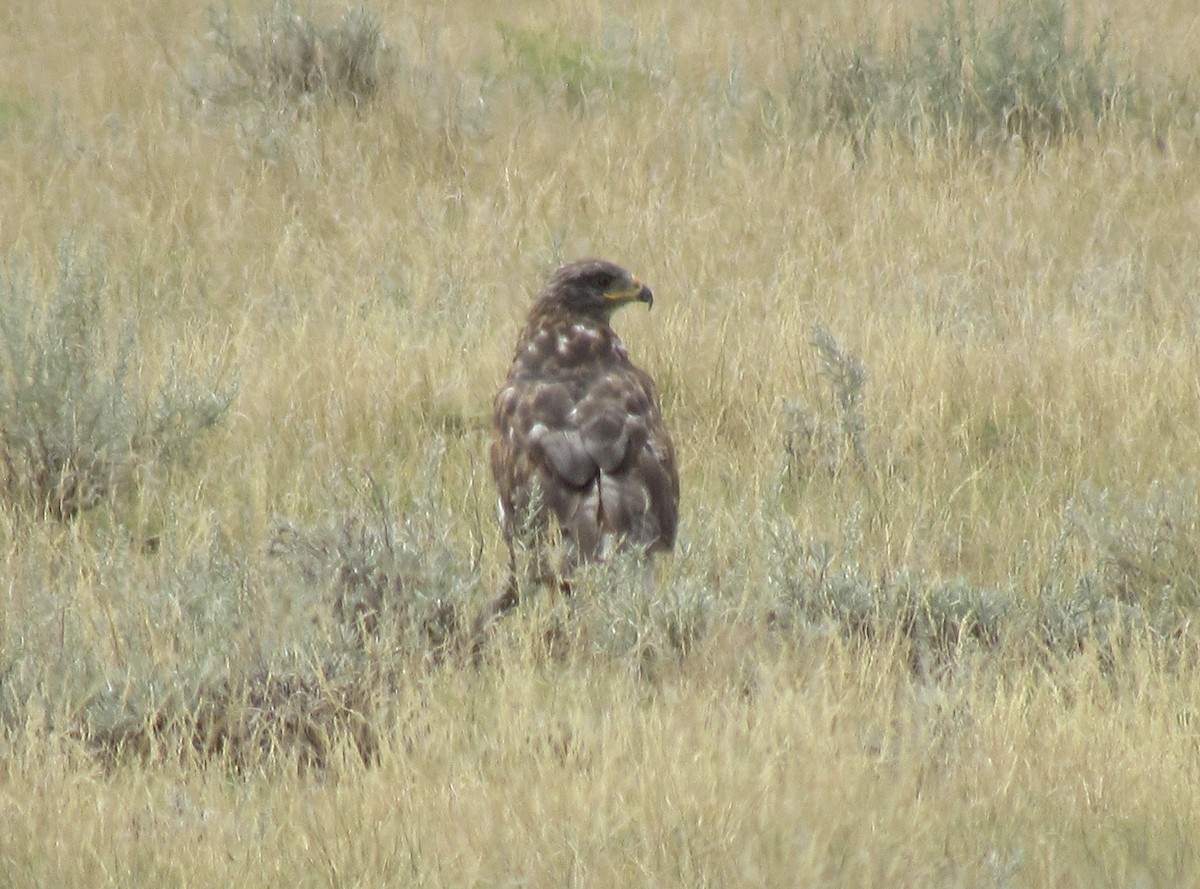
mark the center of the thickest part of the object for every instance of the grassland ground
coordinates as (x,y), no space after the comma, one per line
(925,329)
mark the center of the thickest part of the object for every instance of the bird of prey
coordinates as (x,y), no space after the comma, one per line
(579,450)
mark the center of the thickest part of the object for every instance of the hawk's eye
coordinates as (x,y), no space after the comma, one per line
(603,280)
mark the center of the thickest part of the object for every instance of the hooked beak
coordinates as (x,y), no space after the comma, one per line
(639,292)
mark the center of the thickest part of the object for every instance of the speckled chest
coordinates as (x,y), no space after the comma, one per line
(556,367)
(557,349)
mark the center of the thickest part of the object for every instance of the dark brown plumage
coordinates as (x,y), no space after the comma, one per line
(579,442)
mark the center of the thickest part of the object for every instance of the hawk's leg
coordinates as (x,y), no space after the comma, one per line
(556,581)
(506,601)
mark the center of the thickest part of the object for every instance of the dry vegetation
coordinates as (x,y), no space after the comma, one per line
(927,333)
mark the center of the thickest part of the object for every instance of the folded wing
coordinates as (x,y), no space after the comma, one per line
(599,458)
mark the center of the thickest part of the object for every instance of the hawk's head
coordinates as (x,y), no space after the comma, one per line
(595,287)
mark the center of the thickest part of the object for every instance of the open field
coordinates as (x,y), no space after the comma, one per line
(927,331)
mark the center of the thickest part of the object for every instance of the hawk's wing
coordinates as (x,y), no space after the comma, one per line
(593,451)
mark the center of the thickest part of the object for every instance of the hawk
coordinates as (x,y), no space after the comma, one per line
(579,447)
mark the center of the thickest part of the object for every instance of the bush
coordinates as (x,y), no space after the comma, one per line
(398,581)
(1019,74)
(558,66)
(1124,568)
(809,438)
(626,612)
(1140,564)
(289,717)
(816,587)
(293,60)
(73,427)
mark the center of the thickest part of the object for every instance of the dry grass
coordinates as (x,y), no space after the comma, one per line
(927,627)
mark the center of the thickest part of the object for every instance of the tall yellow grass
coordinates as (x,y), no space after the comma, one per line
(1028,325)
